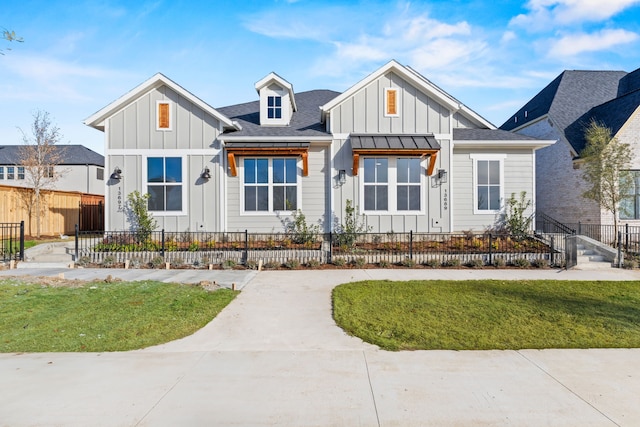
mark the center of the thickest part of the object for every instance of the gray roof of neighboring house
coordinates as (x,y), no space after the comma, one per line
(569,97)
(70,155)
(305,121)
(464,134)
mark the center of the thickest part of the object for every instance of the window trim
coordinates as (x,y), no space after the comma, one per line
(475,157)
(184,183)
(386,102)
(270,186)
(392,186)
(170,113)
(11,172)
(20,173)
(100,174)
(275,107)
(635,196)
(1,172)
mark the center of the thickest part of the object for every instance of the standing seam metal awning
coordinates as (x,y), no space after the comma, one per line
(394,145)
(267,149)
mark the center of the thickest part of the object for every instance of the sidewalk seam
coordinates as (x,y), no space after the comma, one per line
(566,387)
(373,396)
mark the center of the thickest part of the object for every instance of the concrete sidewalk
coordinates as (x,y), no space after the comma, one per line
(275,357)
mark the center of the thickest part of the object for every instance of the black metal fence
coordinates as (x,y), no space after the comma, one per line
(12,241)
(338,248)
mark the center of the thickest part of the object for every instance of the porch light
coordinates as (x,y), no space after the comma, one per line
(117,174)
(441,176)
(342,176)
(206,174)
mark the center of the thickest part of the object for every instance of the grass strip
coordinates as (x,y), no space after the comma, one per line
(490,314)
(100,316)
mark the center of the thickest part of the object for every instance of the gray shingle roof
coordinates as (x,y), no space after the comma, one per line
(305,121)
(566,100)
(488,135)
(71,155)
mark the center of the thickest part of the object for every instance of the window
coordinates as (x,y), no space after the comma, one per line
(270,184)
(163,120)
(49,172)
(392,185)
(20,172)
(630,204)
(1,172)
(274,107)
(11,174)
(391,102)
(488,179)
(100,174)
(164,183)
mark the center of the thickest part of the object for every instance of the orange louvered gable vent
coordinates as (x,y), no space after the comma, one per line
(163,116)
(392,102)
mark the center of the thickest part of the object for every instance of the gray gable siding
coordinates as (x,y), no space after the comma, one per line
(364,112)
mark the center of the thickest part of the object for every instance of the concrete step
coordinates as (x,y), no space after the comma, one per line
(52,257)
(590,258)
(594,265)
(43,265)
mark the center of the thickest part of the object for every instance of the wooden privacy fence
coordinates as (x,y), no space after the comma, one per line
(60,210)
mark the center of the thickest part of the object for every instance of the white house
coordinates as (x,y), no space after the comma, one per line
(407,154)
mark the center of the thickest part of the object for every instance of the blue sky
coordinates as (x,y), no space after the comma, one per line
(493,56)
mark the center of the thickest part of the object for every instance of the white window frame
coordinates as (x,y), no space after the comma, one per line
(184,183)
(1,172)
(392,189)
(386,95)
(20,173)
(474,170)
(157,115)
(270,184)
(11,172)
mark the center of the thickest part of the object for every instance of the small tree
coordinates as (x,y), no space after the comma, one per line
(142,222)
(516,220)
(607,162)
(347,232)
(39,156)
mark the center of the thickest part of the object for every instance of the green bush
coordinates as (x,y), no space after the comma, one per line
(313,263)
(452,262)
(228,264)
(292,264)
(521,263)
(251,264)
(272,265)
(108,261)
(539,263)
(157,262)
(475,263)
(409,263)
(432,263)
(384,264)
(359,262)
(339,262)
(499,262)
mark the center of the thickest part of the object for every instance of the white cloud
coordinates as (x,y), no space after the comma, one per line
(545,14)
(575,44)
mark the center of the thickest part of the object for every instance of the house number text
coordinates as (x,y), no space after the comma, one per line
(445,199)
(119,199)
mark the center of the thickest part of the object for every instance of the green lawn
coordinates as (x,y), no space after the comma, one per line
(490,314)
(102,316)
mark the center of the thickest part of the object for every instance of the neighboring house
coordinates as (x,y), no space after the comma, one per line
(79,169)
(561,111)
(409,156)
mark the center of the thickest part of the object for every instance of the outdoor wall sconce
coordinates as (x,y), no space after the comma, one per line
(117,174)
(206,174)
(441,176)
(342,176)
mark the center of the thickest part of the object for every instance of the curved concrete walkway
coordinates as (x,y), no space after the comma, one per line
(275,357)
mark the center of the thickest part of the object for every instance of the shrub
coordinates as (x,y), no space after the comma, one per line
(108,261)
(432,263)
(539,263)
(300,231)
(384,264)
(157,261)
(272,265)
(499,262)
(135,262)
(177,262)
(452,262)
(194,246)
(251,264)
(521,263)
(475,263)
(359,262)
(228,264)
(339,262)
(347,232)
(629,264)
(137,211)
(408,262)
(83,261)
(515,220)
(292,264)
(313,263)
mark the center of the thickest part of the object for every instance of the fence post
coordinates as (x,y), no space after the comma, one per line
(490,249)
(579,227)
(162,243)
(246,246)
(619,250)
(626,237)
(330,257)
(77,232)
(552,255)
(411,245)
(22,240)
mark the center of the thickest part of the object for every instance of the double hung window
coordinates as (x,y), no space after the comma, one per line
(630,203)
(164,183)
(11,172)
(393,185)
(274,107)
(488,182)
(270,184)
(20,172)
(1,172)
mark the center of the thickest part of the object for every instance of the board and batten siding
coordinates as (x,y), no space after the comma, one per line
(364,111)
(133,136)
(518,176)
(314,201)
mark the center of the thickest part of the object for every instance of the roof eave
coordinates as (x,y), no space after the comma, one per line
(510,143)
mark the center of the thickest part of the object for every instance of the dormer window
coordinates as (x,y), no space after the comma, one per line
(274,107)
